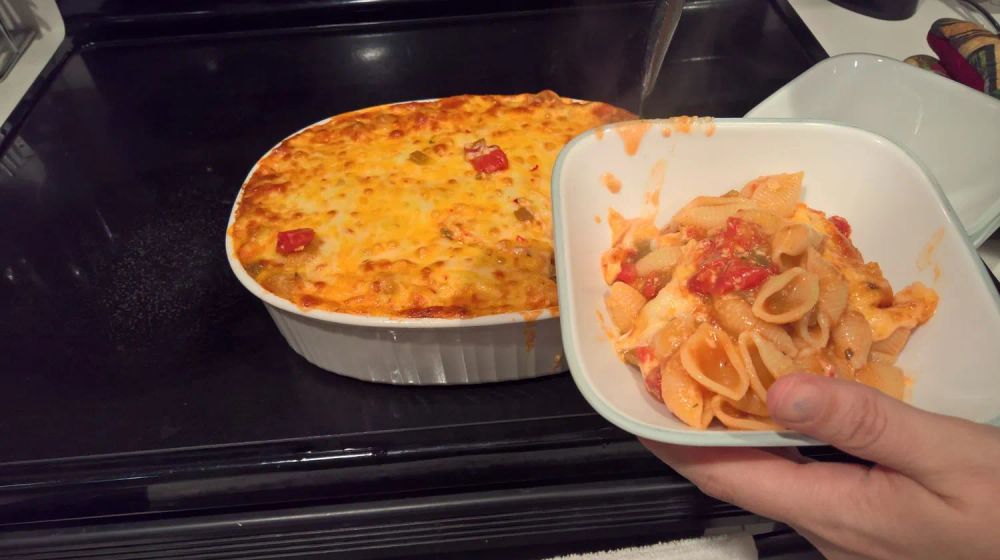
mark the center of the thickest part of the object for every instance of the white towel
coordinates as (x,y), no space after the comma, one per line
(734,546)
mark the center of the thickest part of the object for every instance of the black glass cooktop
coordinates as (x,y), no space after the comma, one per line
(139,377)
(123,328)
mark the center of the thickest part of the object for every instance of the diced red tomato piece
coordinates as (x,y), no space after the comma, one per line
(741,275)
(486,159)
(704,281)
(728,262)
(742,235)
(653,380)
(841,225)
(628,273)
(491,161)
(651,286)
(295,240)
(643,353)
(722,276)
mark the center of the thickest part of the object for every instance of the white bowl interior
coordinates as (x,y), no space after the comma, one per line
(893,205)
(953,129)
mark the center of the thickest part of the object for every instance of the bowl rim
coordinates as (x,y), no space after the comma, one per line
(376,321)
(985,226)
(722,438)
(874,59)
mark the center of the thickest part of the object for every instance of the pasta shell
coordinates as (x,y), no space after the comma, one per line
(816,239)
(735,316)
(888,379)
(833,288)
(619,226)
(837,366)
(708,411)
(653,381)
(814,329)
(852,338)
(672,239)
(819,266)
(709,212)
(659,261)
(736,419)
(710,358)
(631,232)
(823,363)
(894,344)
(671,336)
(683,395)
(911,307)
(768,222)
(787,297)
(750,404)
(611,263)
(763,361)
(641,230)
(881,358)
(624,303)
(776,193)
(647,367)
(808,360)
(833,294)
(788,249)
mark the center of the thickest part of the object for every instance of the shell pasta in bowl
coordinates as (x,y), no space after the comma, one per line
(700,261)
(740,289)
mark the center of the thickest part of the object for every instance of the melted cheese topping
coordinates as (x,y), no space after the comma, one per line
(741,289)
(869,292)
(673,301)
(404,224)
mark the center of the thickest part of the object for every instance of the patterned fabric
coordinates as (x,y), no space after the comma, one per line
(968,52)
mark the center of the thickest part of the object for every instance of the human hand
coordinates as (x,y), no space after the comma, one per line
(933,493)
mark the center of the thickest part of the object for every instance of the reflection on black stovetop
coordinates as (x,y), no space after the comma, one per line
(149,404)
(121,326)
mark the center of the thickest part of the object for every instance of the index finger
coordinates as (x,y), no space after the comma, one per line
(758,481)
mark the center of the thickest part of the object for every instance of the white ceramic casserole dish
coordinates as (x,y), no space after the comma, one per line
(405,351)
(900,218)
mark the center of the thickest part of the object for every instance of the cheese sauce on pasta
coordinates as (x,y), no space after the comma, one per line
(741,289)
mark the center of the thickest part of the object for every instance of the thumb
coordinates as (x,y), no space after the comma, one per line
(869,424)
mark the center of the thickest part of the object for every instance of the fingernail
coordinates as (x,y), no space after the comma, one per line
(801,402)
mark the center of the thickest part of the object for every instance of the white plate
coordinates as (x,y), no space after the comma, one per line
(953,129)
(894,206)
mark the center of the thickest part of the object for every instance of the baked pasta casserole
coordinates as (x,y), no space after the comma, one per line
(426,209)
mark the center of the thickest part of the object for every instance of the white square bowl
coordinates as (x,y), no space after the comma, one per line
(893,204)
(952,129)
